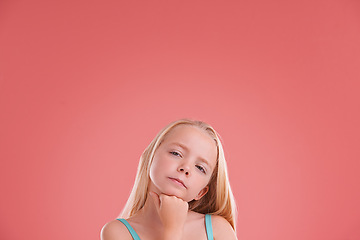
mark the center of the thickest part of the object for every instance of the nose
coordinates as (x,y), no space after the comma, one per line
(184,169)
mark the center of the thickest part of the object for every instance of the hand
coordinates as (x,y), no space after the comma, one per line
(172,211)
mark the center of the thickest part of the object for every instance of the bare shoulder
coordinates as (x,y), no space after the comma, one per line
(222,228)
(115,230)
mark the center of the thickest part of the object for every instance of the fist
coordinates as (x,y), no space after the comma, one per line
(171,209)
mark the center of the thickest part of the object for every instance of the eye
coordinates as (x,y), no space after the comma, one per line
(200,168)
(175,153)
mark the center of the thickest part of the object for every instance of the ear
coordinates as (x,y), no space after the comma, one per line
(202,193)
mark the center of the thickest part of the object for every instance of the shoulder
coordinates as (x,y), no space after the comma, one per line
(115,230)
(222,228)
(195,215)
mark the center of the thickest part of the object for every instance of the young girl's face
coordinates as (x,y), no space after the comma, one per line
(183,163)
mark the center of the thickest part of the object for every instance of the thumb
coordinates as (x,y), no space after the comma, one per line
(156,199)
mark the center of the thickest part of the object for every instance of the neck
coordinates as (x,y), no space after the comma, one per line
(148,213)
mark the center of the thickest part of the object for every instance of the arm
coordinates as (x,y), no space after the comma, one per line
(172,212)
(115,230)
(222,229)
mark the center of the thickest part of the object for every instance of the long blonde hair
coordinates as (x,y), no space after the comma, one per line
(219,200)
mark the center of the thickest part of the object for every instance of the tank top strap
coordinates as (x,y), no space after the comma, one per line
(209,231)
(131,230)
(208,226)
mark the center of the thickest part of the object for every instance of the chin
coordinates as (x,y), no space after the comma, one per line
(172,192)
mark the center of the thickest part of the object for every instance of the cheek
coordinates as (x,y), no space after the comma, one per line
(204,183)
(154,167)
(158,165)
(200,183)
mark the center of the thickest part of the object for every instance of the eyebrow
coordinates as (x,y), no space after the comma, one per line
(186,149)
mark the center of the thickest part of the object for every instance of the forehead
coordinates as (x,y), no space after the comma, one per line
(196,140)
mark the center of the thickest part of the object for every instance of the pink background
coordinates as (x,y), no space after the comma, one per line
(86,85)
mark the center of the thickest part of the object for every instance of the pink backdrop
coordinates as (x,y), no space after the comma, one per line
(86,85)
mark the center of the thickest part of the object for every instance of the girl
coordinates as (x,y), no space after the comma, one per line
(181,189)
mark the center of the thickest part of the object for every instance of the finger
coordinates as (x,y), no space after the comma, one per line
(163,198)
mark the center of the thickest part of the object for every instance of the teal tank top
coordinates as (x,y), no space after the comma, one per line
(208,227)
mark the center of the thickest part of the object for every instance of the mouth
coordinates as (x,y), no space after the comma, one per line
(178,181)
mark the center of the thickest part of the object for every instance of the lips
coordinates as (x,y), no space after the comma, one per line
(178,181)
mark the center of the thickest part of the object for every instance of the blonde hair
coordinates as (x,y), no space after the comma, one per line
(219,200)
